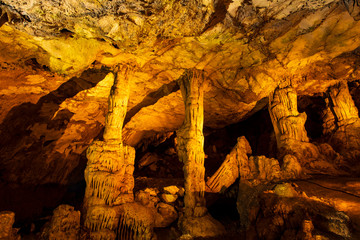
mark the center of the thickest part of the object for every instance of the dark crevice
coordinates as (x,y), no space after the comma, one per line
(152,98)
(3,18)
(219,14)
(313,106)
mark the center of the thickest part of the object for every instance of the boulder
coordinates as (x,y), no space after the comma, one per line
(64,224)
(171,189)
(166,215)
(169,198)
(7,232)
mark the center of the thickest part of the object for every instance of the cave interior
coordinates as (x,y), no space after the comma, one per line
(179,120)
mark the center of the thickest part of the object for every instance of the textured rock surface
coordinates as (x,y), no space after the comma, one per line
(109,172)
(287,212)
(236,165)
(64,224)
(342,124)
(245,48)
(190,143)
(55,78)
(7,232)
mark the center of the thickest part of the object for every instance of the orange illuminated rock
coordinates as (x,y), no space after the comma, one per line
(289,124)
(342,124)
(291,136)
(64,224)
(7,220)
(235,165)
(109,173)
(190,146)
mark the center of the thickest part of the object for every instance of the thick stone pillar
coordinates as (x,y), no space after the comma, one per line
(341,109)
(190,147)
(190,143)
(109,172)
(291,136)
(288,123)
(341,123)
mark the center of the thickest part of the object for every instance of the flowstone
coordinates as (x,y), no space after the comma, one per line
(190,146)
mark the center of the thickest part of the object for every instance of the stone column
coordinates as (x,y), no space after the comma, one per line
(342,125)
(291,136)
(288,123)
(341,109)
(190,143)
(190,147)
(109,172)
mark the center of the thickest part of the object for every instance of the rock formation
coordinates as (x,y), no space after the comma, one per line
(7,232)
(236,165)
(64,224)
(291,136)
(190,146)
(289,124)
(341,122)
(59,60)
(109,173)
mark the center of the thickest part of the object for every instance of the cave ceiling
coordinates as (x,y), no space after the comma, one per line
(56,59)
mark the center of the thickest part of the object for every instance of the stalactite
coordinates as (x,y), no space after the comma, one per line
(135,222)
(118,100)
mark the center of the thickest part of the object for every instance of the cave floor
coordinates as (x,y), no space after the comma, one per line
(341,193)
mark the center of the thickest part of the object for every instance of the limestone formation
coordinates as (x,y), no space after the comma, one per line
(353,6)
(190,144)
(291,168)
(166,214)
(291,136)
(341,105)
(289,124)
(342,124)
(235,165)
(7,232)
(64,224)
(109,173)
(265,169)
(8,14)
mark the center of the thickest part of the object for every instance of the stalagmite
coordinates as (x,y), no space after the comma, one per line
(109,172)
(291,136)
(190,143)
(289,124)
(341,108)
(341,123)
